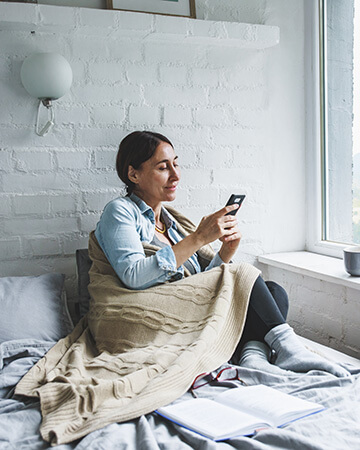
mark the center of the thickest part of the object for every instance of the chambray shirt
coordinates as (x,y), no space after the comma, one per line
(125,223)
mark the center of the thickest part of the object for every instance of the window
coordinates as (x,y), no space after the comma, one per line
(340,120)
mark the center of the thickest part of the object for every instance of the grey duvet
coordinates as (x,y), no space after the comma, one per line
(337,427)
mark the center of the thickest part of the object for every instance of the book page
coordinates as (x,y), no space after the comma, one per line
(211,419)
(268,404)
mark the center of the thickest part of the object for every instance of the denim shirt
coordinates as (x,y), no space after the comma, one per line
(125,223)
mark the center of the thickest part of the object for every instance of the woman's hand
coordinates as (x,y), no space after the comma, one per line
(223,227)
(219,226)
(230,243)
(215,226)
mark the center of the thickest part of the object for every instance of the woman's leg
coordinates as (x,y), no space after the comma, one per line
(266,321)
(280,296)
(268,307)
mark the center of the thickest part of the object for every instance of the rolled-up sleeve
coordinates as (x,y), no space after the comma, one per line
(118,234)
(215,262)
(167,261)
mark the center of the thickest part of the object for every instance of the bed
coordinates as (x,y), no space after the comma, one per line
(34,315)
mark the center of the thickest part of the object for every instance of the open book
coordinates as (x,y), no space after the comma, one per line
(239,412)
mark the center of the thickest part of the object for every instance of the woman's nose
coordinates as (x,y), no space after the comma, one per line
(175,173)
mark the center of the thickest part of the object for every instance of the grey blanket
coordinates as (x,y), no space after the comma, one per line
(337,427)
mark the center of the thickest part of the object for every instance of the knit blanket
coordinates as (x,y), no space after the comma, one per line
(136,351)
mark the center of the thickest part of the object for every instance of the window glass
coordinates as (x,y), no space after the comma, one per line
(341,120)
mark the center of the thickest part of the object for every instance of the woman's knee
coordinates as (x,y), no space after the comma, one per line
(280,296)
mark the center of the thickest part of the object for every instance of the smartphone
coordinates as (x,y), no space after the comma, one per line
(235,198)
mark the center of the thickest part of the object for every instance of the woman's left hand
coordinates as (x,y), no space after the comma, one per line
(230,242)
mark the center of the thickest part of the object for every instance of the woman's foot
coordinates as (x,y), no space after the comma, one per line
(291,354)
(256,355)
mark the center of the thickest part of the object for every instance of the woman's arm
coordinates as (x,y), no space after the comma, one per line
(119,233)
(215,226)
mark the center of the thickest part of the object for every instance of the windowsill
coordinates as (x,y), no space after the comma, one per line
(322,267)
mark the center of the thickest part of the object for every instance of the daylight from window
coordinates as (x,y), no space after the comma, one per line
(356,127)
(341,114)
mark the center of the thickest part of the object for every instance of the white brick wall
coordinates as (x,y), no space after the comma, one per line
(235,127)
(175,115)
(54,188)
(26,205)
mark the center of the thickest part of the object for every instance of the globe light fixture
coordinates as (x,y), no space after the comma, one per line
(46,76)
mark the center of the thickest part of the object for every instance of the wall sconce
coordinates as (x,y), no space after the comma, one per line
(46,76)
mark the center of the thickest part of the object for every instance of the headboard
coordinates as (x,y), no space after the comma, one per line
(83,264)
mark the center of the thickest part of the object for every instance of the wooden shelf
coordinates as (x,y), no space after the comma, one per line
(147,27)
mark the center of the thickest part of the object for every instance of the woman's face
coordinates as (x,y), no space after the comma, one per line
(157,178)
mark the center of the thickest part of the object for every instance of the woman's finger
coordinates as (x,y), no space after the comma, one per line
(232,237)
(229,222)
(226,209)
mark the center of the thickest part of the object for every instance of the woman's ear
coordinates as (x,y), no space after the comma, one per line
(132,174)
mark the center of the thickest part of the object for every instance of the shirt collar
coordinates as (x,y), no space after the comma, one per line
(147,210)
(144,208)
(168,218)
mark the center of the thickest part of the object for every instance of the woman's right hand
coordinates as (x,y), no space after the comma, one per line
(216,225)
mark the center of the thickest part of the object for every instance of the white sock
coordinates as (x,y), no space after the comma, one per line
(256,355)
(291,354)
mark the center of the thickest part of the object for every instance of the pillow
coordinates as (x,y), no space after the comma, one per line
(34,308)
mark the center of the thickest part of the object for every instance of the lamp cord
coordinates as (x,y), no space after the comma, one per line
(50,123)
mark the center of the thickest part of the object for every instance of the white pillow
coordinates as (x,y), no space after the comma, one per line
(33,307)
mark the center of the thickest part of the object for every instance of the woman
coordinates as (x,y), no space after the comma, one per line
(148,165)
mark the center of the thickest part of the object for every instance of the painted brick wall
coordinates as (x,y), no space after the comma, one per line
(211,101)
(235,116)
(232,114)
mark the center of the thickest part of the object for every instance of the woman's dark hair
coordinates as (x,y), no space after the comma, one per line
(134,149)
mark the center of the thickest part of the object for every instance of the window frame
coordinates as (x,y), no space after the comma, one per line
(315,136)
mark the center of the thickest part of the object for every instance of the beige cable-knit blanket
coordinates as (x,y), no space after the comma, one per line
(138,350)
